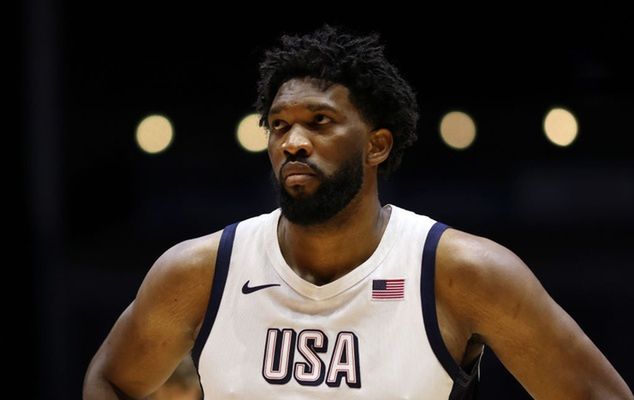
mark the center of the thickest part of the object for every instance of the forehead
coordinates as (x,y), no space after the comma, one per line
(306,93)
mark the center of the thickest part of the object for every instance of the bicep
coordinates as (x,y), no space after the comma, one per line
(140,353)
(155,332)
(536,339)
(532,335)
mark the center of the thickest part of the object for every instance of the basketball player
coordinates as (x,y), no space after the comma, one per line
(335,296)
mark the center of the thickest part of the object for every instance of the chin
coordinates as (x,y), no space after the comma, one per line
(300,191)
(297,192)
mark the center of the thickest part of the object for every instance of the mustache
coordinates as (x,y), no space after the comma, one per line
(300,159)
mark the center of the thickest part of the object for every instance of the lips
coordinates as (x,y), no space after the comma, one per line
(296,173)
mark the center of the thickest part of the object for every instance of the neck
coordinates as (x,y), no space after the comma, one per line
(323,253)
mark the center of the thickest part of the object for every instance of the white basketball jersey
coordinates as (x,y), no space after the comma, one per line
(269,334)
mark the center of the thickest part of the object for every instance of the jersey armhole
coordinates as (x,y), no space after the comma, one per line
(221,271)
(464,382)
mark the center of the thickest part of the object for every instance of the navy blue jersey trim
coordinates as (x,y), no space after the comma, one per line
(430,318)
(223,258)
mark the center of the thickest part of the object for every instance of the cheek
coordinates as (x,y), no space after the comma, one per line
(330,158)
(346,144)
(276,158)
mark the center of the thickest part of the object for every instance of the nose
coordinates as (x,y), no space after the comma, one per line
(297,141)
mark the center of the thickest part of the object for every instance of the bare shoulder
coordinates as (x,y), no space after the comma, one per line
(179,282)
(189,259)
(479,278)
(486,291)
(160,326)
(461,253)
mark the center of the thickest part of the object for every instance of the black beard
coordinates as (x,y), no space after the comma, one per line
(333,194)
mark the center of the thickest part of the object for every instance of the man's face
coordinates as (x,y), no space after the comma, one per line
(317,149)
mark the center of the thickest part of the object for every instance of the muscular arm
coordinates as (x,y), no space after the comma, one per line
(486,291)
(157,330)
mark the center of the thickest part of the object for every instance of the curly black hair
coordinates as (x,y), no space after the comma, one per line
(333,55)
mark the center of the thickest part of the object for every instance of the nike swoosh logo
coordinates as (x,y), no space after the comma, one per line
(246,289)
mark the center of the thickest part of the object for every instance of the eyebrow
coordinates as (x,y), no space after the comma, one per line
(310,106)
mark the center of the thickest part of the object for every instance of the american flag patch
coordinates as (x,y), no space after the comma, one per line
(388,289)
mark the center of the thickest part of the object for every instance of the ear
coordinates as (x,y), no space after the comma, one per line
(379,146)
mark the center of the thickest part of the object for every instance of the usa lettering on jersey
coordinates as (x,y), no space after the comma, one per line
(279,366)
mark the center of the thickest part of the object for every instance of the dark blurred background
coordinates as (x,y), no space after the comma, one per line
(100,211)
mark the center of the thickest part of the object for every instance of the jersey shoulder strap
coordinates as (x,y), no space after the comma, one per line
(465,382)
(223,258)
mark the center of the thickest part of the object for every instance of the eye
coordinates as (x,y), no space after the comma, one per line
(321,119)
(278,124)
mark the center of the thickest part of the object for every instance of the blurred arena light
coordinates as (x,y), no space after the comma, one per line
(154,134)
(457,130)
(560,127)
(251,136)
